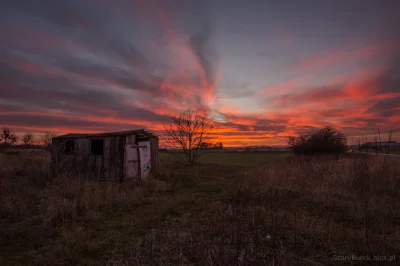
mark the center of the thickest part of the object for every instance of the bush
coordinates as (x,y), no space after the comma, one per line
(324,140)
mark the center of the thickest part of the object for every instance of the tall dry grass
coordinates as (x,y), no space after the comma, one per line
(44,219)
(297,212)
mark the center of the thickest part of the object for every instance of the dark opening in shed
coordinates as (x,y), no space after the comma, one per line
(96,146)
(69,146)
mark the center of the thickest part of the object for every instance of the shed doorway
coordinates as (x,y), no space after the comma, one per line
(131,161)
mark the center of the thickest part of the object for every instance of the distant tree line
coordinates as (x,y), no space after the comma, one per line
(330,140)
(10,138)
(211,145)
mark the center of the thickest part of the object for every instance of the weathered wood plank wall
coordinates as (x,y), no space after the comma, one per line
(83,161)
(154,155)
(110,165)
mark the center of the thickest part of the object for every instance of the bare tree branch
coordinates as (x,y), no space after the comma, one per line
(188,131)
(47,138)
(27,138)
(7,135)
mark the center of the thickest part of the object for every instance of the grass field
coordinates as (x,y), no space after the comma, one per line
(239,209)
(244,159)
(392,150)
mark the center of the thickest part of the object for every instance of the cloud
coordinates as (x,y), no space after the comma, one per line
(92,66)
(367,99)
(86,59)
(201,47)
(355,103)
(283,87)
(330,58)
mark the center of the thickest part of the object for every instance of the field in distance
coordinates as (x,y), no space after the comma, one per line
(244,159)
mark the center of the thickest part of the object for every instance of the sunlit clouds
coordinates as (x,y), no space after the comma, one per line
(265,71)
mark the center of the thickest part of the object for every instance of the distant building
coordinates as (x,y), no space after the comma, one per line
(120,155)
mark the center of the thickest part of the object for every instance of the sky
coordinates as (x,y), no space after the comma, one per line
(264,70)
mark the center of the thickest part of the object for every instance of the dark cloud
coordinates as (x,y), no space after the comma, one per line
(80,57)
(62,120)
(38,91)
(389,81)
(386,107)
(313,94)
(255,124)
(202,47)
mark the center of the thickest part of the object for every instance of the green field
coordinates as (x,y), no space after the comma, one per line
(229,158)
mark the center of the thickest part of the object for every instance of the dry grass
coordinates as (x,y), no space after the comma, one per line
(290,211)
(45,220)
(297,212)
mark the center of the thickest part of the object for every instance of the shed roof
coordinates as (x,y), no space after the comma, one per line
(139,131)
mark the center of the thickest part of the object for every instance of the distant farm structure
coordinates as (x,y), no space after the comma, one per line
(121,155)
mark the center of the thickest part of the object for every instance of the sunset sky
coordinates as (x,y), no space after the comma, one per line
(265,69)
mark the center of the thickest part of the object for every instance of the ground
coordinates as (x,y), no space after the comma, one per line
(392,150)
(231,209)
(245,159)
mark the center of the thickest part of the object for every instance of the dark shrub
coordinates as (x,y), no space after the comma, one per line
(324,140)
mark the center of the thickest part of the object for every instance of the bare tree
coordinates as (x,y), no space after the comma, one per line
(8,135)
(27,138)
(188,131)
(47,138)
(13,139)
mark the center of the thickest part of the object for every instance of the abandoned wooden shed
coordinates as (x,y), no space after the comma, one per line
(122,155)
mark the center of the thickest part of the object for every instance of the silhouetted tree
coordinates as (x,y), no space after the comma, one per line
(325,140)
(220,145)
(13,139)
(27,138)
(205,145)
(188,131)
(8,136)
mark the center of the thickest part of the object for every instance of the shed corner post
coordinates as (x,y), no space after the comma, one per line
(154,155)
(122,159)
(139,168)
